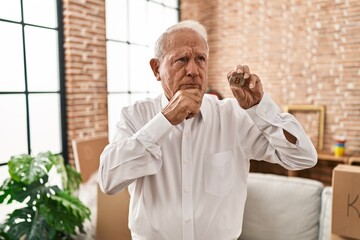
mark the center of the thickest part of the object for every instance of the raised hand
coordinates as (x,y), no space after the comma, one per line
(246,87)
(183,105)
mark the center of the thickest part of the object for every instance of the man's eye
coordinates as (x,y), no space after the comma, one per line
(182,60)
(202,59)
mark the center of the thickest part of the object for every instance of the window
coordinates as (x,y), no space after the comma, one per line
(132,28)
(31,79)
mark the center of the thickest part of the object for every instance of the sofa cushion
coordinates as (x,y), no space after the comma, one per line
(281,208)
(325,214)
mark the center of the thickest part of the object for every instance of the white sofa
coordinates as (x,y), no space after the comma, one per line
(277,208)
(286,208)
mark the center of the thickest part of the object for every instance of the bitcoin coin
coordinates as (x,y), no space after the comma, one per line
(237,80)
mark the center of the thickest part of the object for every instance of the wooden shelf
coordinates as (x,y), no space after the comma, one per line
(326,156)
(322,171)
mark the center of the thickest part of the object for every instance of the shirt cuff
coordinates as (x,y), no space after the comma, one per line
(155,130)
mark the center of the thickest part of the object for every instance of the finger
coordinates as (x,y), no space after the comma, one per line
(193,109)
(246,71)
(230,74)
(254,80)
(191,115)
(196,95)
(239,69)
(192,95)
(190,92)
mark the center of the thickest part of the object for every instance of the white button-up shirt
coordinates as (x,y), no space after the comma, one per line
(189,181)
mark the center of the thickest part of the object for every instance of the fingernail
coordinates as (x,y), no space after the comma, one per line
(246,75)
(251,85)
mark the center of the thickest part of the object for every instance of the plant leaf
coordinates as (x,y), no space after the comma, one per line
(3,234)
(65,212)
(27,223)
(58,162)
(4,189)
(74,179)
(27,169)
(20,192)
(50,213)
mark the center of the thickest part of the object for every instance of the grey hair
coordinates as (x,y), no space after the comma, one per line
(187,24)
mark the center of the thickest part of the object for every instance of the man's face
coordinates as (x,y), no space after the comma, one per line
(184,64)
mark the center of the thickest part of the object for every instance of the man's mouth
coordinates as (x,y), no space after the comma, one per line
(190,86)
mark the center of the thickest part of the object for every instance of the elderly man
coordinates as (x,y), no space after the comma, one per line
(185,155)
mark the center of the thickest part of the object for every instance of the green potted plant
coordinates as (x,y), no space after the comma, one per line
(51,211)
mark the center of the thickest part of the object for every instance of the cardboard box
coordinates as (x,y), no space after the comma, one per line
(346,201)
(112,216)
(337,237)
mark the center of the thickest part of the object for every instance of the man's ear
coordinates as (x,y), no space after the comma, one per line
(155,65)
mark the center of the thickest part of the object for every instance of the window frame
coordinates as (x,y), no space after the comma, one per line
(61,67)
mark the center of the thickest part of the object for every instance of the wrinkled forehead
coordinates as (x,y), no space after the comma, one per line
(183,39)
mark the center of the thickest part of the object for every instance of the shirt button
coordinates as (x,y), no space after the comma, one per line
(188,220)
(186,190)
(185,161)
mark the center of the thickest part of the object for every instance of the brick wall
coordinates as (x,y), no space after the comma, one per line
(85,69)
(305,52)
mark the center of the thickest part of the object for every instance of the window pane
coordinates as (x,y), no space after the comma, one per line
(10,9)
(45,123)
(116,20)
(11,58)
(140,71)
(167,3)
(138,96)
(137,22)
(42,59)
(156,1)
(154,86)
(117,66)
(115,103)
(155,94)
(155,24)
(165,17)
(13,137)
(171,17)
(172,3)
(4,174)
(40,12)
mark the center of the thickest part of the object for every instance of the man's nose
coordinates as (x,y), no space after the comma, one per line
(192,69)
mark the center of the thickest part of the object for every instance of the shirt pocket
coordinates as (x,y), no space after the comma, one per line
(219,173)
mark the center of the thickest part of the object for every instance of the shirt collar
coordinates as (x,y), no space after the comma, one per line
(203,107)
